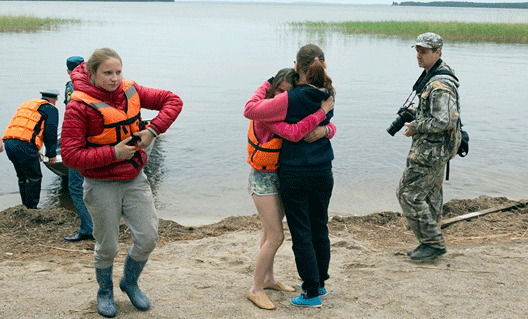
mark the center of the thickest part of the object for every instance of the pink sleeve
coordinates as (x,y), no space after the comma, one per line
(270,110)
(296,132)
(332,128)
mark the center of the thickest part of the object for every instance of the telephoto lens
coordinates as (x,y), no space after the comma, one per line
(395,126)
(404,116)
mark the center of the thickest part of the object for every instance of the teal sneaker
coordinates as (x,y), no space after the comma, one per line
(304,301)
(321,291)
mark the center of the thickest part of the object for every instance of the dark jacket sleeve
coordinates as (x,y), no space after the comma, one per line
(51,123)
(68,91)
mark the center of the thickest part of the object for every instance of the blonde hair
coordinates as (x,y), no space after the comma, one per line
(98,57)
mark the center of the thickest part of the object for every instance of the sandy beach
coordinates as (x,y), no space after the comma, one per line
(205,272)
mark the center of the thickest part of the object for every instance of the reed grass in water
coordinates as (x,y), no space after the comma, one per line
(10,23)
(454,31)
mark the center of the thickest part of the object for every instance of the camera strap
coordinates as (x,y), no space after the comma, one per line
(419,85)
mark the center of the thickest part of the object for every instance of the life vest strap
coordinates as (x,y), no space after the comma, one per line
(131,161)
(99,105)
(130,92)
(128,121)
(262,149)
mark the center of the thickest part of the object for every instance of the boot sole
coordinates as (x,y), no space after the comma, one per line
(431,257)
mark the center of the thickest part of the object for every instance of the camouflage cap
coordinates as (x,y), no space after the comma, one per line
(429,40)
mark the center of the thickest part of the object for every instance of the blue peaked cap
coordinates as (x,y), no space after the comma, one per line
(73,61)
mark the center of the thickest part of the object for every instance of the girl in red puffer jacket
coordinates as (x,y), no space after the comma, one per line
(103,137)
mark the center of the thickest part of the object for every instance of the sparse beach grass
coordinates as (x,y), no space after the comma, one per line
(453,31)
(11,23)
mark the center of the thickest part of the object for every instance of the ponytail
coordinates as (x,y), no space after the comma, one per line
(311,61)
(317,76)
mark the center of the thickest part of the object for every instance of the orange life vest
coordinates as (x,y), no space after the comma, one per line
(118,125)
(263,156)
(27,124)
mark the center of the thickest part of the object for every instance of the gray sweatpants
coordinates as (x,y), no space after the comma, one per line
(107,201)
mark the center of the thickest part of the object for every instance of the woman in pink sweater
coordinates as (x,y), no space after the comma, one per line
(266,131)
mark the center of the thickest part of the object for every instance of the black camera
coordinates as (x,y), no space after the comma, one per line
(405,115)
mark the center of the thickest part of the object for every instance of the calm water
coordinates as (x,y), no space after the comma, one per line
(215,55)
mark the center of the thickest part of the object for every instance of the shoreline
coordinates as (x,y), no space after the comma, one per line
(205,272)
(12,200)
(20,227)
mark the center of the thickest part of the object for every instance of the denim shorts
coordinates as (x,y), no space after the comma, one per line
(263,183)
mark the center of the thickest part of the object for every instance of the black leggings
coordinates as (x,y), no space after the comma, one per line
(306,198)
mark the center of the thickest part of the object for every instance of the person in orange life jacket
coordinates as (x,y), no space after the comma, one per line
(305,175)
(33,125)
(100,121)
(75,179)
(264,143)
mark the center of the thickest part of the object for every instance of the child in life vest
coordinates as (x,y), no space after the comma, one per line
(264,145)
(305,174)
(99,124)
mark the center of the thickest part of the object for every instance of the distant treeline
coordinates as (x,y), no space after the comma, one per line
(510,5)
(100,0)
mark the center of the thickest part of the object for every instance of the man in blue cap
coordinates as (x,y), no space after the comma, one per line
(71,63)
(75,179)
(33,125)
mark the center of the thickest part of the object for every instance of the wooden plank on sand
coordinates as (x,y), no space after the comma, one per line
(519,204)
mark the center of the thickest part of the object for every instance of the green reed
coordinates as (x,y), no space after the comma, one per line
(10,23)
(451,31)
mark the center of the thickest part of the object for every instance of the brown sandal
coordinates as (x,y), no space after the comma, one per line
(261,301)
(279,286)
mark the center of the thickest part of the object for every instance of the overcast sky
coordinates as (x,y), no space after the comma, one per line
(387,2)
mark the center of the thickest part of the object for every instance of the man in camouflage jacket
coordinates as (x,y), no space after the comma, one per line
(436,137)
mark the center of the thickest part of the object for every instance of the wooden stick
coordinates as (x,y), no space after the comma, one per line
(458,270)
(489,236)
(65,249)
(83,310)
(453,220)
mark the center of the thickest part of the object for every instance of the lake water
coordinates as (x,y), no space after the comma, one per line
(214,55)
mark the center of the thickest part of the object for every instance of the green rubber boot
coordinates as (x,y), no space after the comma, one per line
(130,286)
(105,295)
